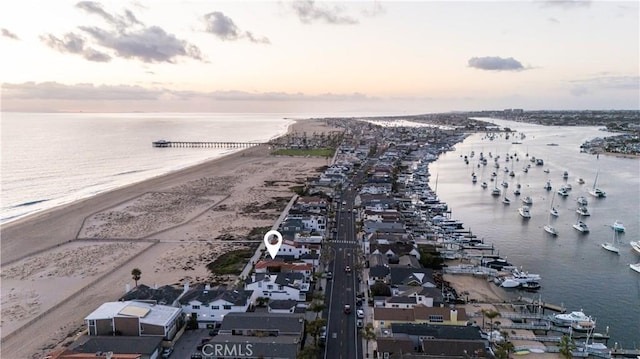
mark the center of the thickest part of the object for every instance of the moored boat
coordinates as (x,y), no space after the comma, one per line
(610,247)
(524,212)
(582,200)
(577,320)
(551,230)
(583,211)
(582,227)
(618,226)
(635,246)
(527,200)
(635,267)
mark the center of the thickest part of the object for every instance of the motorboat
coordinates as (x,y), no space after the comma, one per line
(551,230)
(527,200)
(565,175)
(505,184)
(580,181)
(547,186)
(484,185)
(554,212)
(512,174)
(635,246)
(582,227)
(582,200)
(635,267)
(530,285)
(516,192)
(618,226)
(583,211)
(495,191)
(576,320)
(567,186)
(525,170)
(610,247)
(563,192)
(509,283)
(506,200)
(524,212)
(474,179)
(539,162)
(546,170)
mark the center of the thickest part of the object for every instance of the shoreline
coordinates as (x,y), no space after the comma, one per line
(109,198)
(60,264)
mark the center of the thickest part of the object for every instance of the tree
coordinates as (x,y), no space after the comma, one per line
(491,314)
(368,334)
(314,328)
(317,307)
(308,352)
(566,346)
(136,274)
(262,301)
(380,289)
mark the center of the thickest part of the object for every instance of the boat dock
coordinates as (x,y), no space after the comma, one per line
(544,305)
(208,144)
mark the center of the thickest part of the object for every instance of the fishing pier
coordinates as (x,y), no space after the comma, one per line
(207,144)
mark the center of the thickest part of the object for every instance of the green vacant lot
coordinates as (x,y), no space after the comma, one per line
(316,152)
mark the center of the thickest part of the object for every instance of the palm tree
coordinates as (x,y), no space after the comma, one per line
(136,274)
(317,307)
(314,328)
(491,314)
(566,346)
(368,334)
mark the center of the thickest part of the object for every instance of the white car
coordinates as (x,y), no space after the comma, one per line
(359,323)
(360,313)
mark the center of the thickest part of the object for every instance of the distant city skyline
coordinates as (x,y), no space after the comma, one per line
(319,57)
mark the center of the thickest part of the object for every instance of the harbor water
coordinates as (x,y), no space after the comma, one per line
(576,271)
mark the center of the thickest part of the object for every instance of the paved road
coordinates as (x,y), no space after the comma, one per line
(343,337)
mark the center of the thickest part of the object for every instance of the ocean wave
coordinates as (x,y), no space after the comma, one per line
(30,203)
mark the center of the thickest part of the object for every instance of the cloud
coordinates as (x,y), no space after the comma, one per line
(495,63)
(119,21)
(58,91)
(9,34)
(224,28)
(308,12)
(566,4)
(123,36)
(609,82)
(74,44)
(85,91)
(151,44)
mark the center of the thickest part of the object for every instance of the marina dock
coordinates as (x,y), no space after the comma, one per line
(207,144)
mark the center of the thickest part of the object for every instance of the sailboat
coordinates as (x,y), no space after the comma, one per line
(581,226)
(505,199)
(553,210)
(595,191)
(611,246)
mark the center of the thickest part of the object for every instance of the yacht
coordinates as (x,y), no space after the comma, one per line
(524,212)
(582,227)
(577,320)
(595,191)
(583,211)
(610,247)
(618,226)
(547,186)
(582,200)
(551,230)
(635,246)
(527,200)
(635,267)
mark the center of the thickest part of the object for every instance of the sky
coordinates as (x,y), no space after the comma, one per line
(311,56)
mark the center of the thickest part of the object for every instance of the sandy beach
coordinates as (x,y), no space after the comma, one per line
(59,265)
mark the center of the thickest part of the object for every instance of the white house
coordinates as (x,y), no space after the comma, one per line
(296,249)
(210,306)
(281,286)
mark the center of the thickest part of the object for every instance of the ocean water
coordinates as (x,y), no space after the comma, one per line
(48,159)
(576,271)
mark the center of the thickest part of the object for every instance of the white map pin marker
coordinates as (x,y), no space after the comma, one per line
(273,248)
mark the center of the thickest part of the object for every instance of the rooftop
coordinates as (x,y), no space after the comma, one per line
(153,314)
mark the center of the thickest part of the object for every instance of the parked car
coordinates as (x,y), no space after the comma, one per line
(329,275)
(360,313)
(347,309)
(359,323)
(323,335)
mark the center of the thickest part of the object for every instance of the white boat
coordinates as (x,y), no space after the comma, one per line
(524,212)
(546,170)
(595,191)
(495,191)
(577,320)
(516,192)
(582,227)
(563,192)
(554,212)
(525,170)
(527,200)
(583,211)
(618,226)
(547,186)
(484,185)
(505,199)
(509,283)
(610,247)
(474,179)
(635,246)
(635,267)
(580,181)
(565,175)
(551,230)
(582,200)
